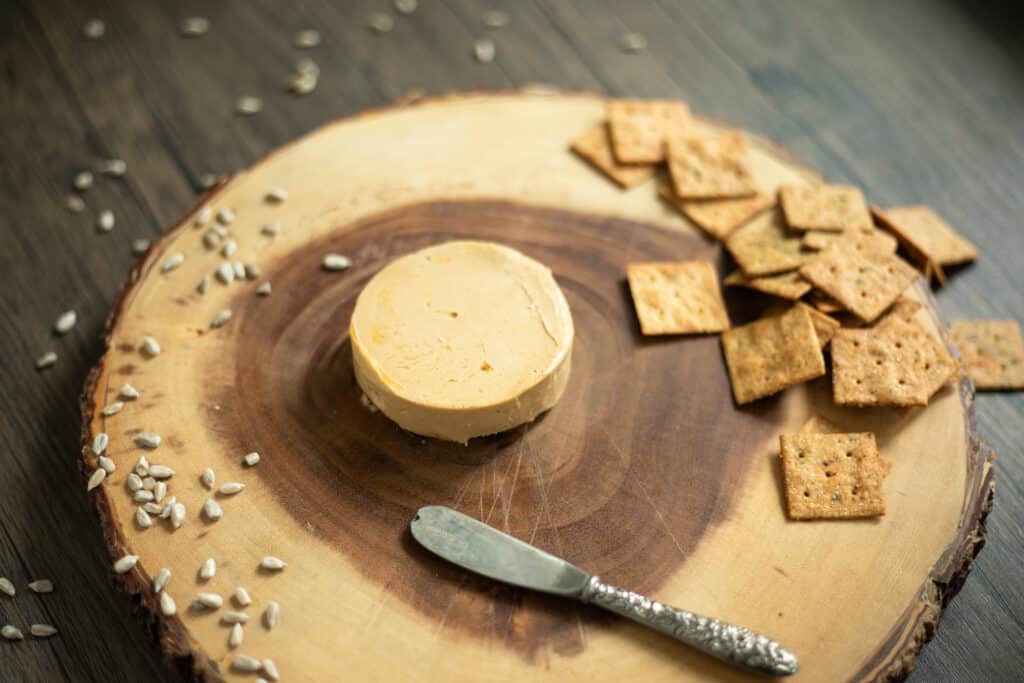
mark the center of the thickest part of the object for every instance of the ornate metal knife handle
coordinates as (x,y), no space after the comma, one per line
(733,644)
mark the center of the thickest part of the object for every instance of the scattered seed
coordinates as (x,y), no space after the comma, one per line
(231,488)
(74,203)
(406,6)
(633,43)
(235,639)
(140,246)
(270,669)
(252,458)
(147,439)
(193,27)
(234,617)
(142,466)
(208,478)
(230,247)
(209,600)
(153,507)
(241,596)
(203,217)
(272,563)
(495,19)
(112,409)
(208,570)
(335,262)
(272,615)
(47,360)
(7,587)
(264,288)
(271,229)
(99,443)
(178,515)
(161,579)
(211,239)
(11,633)
(172,262)
(41,586)
(168,508)
(167,606)
(484,50)
(307,38)
(208,180)
(160,472)
(125,564)
(221,319)
(225,216)
(128,392)
(226,273)
(212,510)
(142,496)
(107,464)
(247,105)
(42,630)
(114,168)
(239,270)
(246,663)
(203,285)
(134,482)
(150,347)
(105,220)
(96,478)
(303,82)
(367,403)
(159,491)
(65,322)
(380,22)
(149,483)
(143,519)
(83,180)
(94,29)
(252,271)
(276,195)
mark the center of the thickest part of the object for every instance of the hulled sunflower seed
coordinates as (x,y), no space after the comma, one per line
(7,587)
(235,639)
(252,271)
(208,180)
(107,464)
(99,443)
(231,488)
(272,563)
(234,617)
(247,105)
(264,288)
(276,195)
(125,564)
(230,247)
(203,285)
(246,663)
(208,478)
(302,82)
(152,507)
(142,466)
(271,229)
(105,220)
(94,29)
(178,515)
(114,168)
(11,633)
(172,262)
(406,6)
(83,181)
(159,491)
(65,322)
(632,43)
(127,392)
(494,19)
(208,570)
(150,347)
(251,458)
(47,360)
(74,203)
(112,409)
(212,510)
(270,669)
(142,496)
(307,38)
(203,217)
(226,273)
(484,50)
(242,596)
(42,630)
(209,600)
(272,615)
(225,216)
(380,22)
(143,519)
(167,606)
(140,246)
(160,472)
(211,239)
(221,319)
(147,439)
(168,508)
(41,586)
(335,262)
(149,483)
(96,478)
(161,579)
(134,482)
(193,27)
(239,270)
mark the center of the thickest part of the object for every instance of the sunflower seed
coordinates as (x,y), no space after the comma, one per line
(272,615)
(270,669)
(252,271)
(272,563)
(161,579)
(114,168)
(41,586)
(235,639)
(74,203)
(65,322)
(149,483)
(271,229)
(159,491)
(203,285)
(380,22)
(160,472)
(234,617)
(167,606)
(246,663)
(211,239)
(142,496)
(406,6)
(225,216)
(99,443)
(484,50)
(11,633)
(264,288)
(83,180)
(178,515)
(209,600)
(128,392)
(168,508)
(7,587)
(94,29)
(231,488)
(303,82)
(172,262)
(247,105)
(42,630)
(208,570)
(632,43)
(307,38)
(221,319)
(147,439)
(140,246)
(143,519)
(47,360)
(241,597)
(367,403)
(239,270)
(495,19)
(226,273)
(208,478)
(336,262)
(152,507)
(208,180)
(252,458)
(125,564)
(230,247)
(96,479)
(105,220)
(134,482)
(150,347)
(276,195)
(112,409)
(193,27)
(107,464)
(212,510)
(142,466)
(203,217)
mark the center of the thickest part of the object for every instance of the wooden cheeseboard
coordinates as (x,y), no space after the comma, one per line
(645,473)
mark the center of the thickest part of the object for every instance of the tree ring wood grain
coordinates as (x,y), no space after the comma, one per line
(645,472)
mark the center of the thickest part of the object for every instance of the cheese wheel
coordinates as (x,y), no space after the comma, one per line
(462,339)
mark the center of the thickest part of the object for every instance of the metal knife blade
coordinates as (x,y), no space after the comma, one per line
(480,548)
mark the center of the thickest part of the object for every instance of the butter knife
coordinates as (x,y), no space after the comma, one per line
(480,548)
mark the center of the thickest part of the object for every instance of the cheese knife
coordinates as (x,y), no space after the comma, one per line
(480,548)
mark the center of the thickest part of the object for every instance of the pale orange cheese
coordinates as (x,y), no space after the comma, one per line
(462,339)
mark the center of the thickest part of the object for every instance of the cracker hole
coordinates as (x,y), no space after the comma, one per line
(864,293)
(849,454)
(855,491)
(878,361)
(829,474)
(807,494)
(927,366)
(857,380)
(902,381)
(899,345)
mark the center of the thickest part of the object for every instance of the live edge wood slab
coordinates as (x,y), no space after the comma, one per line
(646,473)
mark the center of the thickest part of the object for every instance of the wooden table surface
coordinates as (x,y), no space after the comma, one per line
(917,101)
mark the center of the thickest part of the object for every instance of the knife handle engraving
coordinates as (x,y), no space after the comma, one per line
(728,642)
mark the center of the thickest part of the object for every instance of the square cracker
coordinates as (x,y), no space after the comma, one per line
(823,302)
(824,207)
(768,355)
(639,128)
(595,147)
(824,325)
(832,476)
(864,239)
(677,298)
(896,363)
(923,231)
(784,285)
(765,246)
(719,217)
(819,425)
(865,284)
(710,167)
(991,351)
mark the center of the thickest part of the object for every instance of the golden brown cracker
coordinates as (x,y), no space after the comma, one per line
(865,284)
(768,355)
(595,147)
(823,302)
(904,308)
(864,239)
(824,207)
(719,217)
(677,298)
(925,232)
(832,476)
(991,351)
(825,326)
(765,246)
(784,285)
(639,128)
(710,167)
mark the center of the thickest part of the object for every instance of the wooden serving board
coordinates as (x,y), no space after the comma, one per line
(646,473)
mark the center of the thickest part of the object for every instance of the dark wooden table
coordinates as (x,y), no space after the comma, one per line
(915,101)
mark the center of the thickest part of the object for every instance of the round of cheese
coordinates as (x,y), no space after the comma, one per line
(462,339)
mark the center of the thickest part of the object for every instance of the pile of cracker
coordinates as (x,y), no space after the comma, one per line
(832,264)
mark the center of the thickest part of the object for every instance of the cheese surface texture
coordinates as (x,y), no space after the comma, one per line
(462,339)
